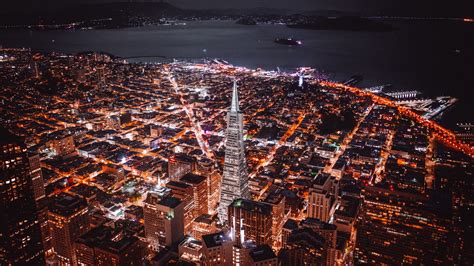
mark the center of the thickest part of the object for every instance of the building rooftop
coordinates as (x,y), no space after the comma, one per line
(182,157)
(191,243)
(251,205)
(316,223)
(204,218)
(348,207)
(215,240)
(170,202)
(66,204)
(191,178)
(274,197)
(262,253)
(177,184)
(306,237)
(115,241)
(321,179)
(291,224)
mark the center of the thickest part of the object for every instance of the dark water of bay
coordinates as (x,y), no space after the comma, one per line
(435,57)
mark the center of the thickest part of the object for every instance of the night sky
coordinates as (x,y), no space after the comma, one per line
(454,7)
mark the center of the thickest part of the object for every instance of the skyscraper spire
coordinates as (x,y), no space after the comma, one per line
(235,99)
(235,178)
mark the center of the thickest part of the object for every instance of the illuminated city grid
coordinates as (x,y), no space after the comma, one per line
(142,146)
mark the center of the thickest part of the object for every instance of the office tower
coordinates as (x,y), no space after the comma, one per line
(346,214)
(164,220)
(277,201)
(68,220)
(288,228)
(400,227)
(329,233)
(214,184)
(250,221)
(249,254)
(20,235)
(240,252)
(304,247)
(200,192)
(179,164)
(203,225)
(36,176)
(40,198)
(326,230)
(166,256)
(62,144)
(109,246)
(190,250)
(322,197)
(217,249)
(235,178)
(206,168)
(262,256)
(185,193)
(125,118)
(43,218)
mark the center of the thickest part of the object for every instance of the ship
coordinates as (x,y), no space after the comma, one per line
(288,41)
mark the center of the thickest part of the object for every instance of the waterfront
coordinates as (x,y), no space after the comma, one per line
(403,57)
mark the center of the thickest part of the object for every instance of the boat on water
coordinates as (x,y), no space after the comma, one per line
(288,41)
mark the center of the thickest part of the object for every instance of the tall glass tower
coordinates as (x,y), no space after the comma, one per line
(235,179)
(20,235)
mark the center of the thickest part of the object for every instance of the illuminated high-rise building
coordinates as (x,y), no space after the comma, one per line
(20,235)
(217,249)
(41,201)
(164,220)
(109,246)
(180,164)
(62,144)
(36,176)
(304,247)
(400,227)
(329,233)
(203,225)
(322,198)
(185,193)
(68,220)
(277,201)
(251,221)
(235,177)
(200,192)
(262,256)
(206,168)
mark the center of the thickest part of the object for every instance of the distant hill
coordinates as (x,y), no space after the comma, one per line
(419,8)
(328,13)
(82,12)
(125,14)
(346,23)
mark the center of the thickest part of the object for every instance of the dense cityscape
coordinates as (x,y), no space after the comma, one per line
(106,162)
